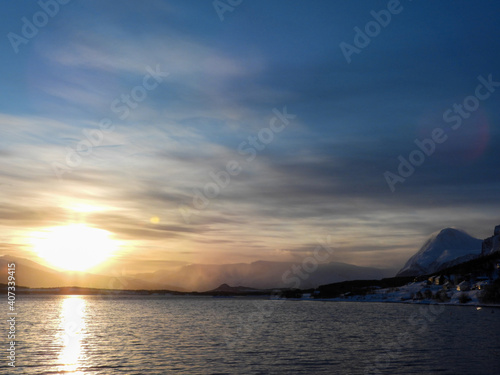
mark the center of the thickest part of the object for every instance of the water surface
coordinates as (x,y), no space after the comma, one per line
(189,335)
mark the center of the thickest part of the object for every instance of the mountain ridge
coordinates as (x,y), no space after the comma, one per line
(442,249)
(34,275)
(261,275)
(195,277)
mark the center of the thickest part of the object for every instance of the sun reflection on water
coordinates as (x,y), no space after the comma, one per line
(72,328)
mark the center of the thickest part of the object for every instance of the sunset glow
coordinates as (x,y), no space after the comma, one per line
(74,247)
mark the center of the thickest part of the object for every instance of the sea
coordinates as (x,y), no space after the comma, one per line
(205,335)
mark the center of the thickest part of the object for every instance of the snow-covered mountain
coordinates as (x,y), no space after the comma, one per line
(442,249)
(492,244)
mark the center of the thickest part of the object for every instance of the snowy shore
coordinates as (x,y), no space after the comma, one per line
(415,293)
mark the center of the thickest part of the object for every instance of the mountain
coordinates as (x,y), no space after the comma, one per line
(34,275)
(262,275)
(443,249)
(492,244)
(197,277)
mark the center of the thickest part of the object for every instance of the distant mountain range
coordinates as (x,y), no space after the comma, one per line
(443,249)
(195,277)
(34,275)
(260,275)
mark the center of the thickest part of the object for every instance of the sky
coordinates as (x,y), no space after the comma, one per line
(235,131)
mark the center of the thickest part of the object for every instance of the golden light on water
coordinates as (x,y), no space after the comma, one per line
(74,247)
(72,329)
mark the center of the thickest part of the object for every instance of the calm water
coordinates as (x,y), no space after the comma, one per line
(148,335)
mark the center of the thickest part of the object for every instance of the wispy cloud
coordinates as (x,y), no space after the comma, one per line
(321,176)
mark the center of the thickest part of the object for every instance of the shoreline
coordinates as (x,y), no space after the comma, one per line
(468,304)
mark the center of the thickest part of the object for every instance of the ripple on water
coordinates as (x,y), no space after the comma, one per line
(155,335)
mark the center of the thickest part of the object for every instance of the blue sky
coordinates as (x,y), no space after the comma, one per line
(321,175)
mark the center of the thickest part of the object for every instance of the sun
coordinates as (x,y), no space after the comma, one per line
(74,247)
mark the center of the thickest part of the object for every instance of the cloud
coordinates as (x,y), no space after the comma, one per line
(322,175)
